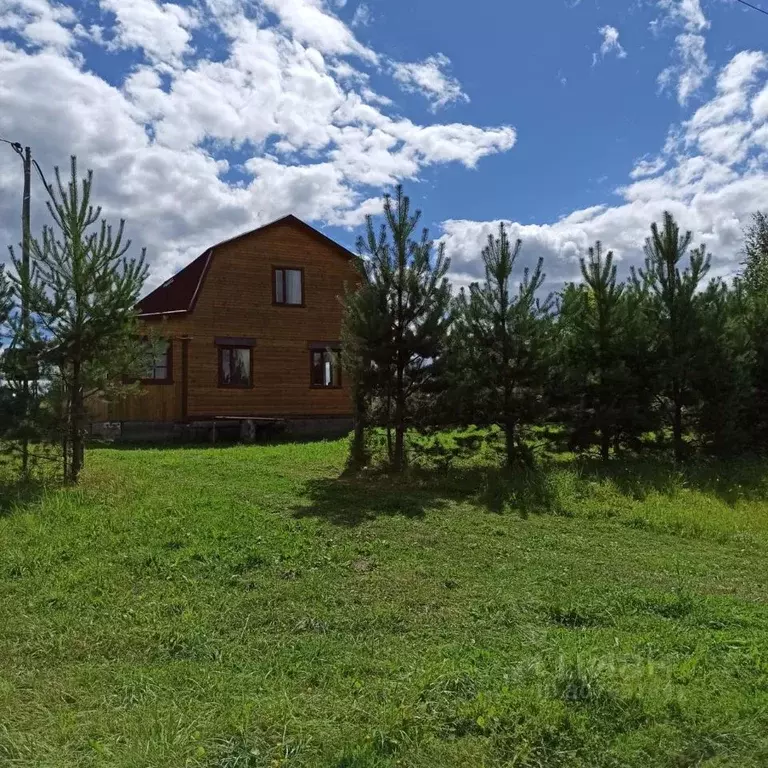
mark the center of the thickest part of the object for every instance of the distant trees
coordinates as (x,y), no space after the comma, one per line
(661,357)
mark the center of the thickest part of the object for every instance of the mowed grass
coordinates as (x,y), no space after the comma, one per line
(239,607)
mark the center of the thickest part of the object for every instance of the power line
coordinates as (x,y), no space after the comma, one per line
(753,7)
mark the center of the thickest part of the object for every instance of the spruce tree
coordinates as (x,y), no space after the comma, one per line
(675,307)
(504,336)
(88,290)
(400,316)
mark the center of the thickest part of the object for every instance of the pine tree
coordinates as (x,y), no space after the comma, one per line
(25,364)
(400,315)
(86,305)
(722,370)
(365,331)
(504,340)
(6,302)
(593,343)
(753,287)
(676,309)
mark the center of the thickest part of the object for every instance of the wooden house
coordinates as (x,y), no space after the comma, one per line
(250,330)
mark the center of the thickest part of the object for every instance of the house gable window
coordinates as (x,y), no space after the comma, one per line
(160,367)
(235,365)
(288,286)
(324,367)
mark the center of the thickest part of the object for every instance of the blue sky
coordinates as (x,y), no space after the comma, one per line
(570,120)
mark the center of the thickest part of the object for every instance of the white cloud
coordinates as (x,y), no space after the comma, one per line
(429,78)
(686,12)
(161,31)
(648,166)
(690,71)
(715,178)
(690,68)
(190,149)
(312,24)
(39,22)
(611,42)
(362,16)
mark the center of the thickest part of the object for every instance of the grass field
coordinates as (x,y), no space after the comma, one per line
(250,606)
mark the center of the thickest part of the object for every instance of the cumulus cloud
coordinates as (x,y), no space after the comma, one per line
(310,23)
(39,22)
(161,31)
(190,147)
(429,77)
(715,178)
(611,42)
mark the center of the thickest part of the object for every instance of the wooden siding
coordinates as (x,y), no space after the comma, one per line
(236,302)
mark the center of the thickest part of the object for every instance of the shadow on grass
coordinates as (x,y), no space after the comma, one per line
(352,499)
(731,481)
(15,494)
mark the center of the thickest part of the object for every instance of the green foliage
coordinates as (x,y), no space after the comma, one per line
(396,322)
(676,309)
(603,362)
(660,359)
(85,292)
(754,294)
(499,344)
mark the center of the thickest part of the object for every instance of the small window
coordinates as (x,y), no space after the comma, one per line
(325,368)
(160,367)
(289,286)
(235,367)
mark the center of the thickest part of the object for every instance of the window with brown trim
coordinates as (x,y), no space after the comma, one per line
(288,286)
(325,368)
(235,367)
(160,367)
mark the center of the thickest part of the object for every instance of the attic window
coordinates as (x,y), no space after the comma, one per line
(288,286)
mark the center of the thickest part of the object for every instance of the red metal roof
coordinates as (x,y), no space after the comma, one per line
(179,293)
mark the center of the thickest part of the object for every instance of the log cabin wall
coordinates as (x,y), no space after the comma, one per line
(236,301)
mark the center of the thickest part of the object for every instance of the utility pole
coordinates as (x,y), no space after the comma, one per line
(26,236)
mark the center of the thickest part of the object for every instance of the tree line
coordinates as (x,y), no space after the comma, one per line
(664,357)
(668,357)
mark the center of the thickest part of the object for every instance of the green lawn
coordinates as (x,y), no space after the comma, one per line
(247,606)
